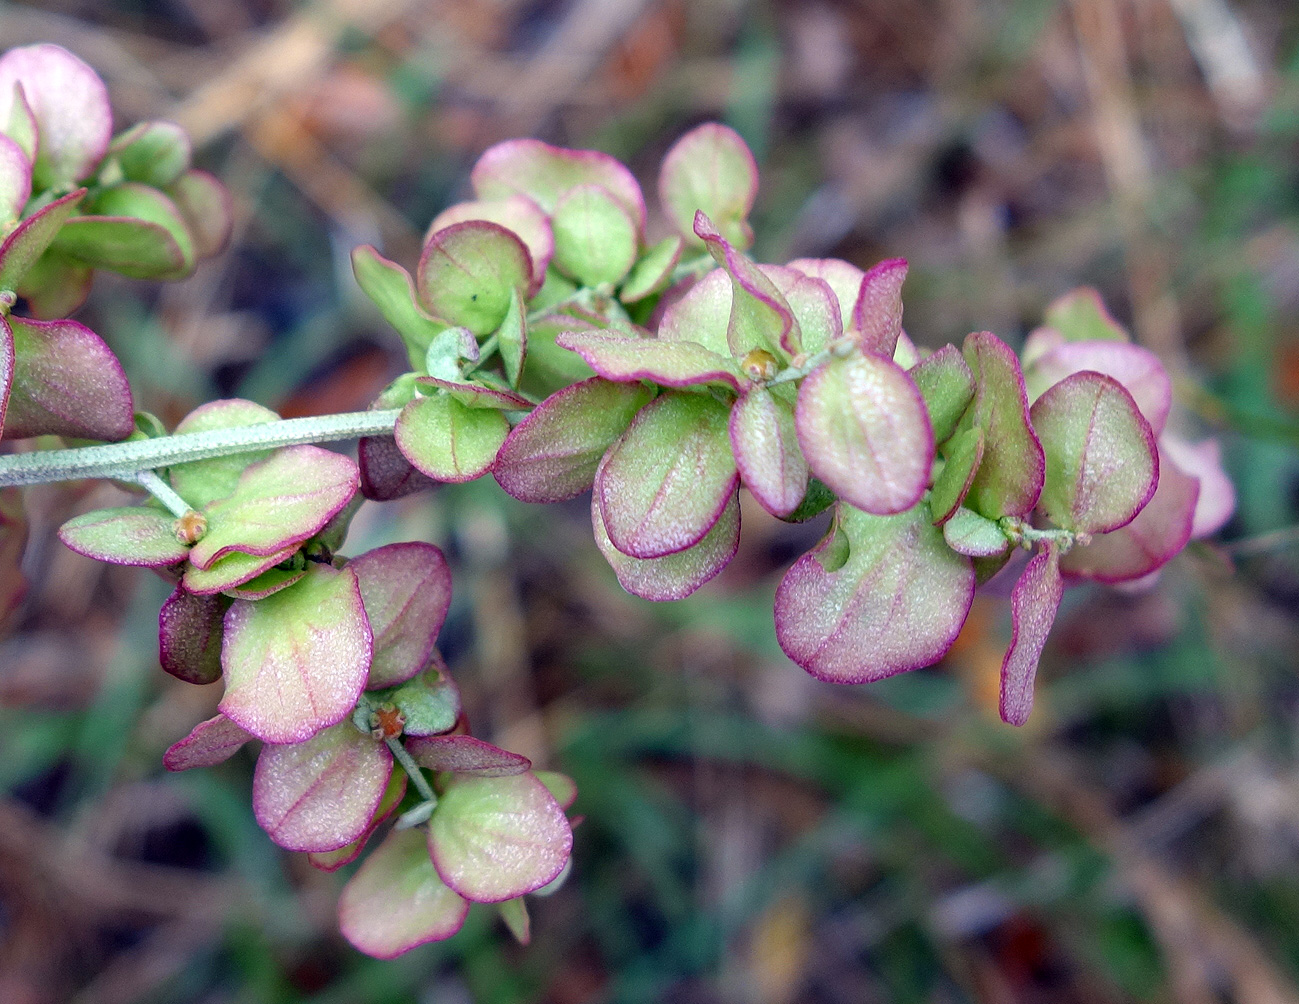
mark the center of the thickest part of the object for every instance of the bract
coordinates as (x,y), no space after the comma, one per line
(947,385)
(710,169)
(131,229)
(760,316)
(154,153)
(877,314)
(390,288)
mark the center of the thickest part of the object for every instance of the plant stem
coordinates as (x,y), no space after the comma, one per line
(163,492)
(127,460)
(412,769)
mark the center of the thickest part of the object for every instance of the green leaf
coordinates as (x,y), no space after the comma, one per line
(21,123)
(233,570)
(702,315)
(447,441)
(765,444)
(296,662)
(390,288)
(25,245)
(963,455)
(134,230)
(138,535)
(512,339)
(515,914)
(469,272)
(154,153)
(430,703)
(760,316)
(710,169)
(1081,316)
(15,181)
(947,385)
(670,364)
(475,394)
(595,237)
(516,213)
(55,287)
(266,583)
(968,533)
(406,589)
(201,482)
(652,273)
(206,207)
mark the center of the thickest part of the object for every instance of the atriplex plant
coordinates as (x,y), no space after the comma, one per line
(551,347)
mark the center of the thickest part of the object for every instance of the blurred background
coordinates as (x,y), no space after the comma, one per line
(751,836)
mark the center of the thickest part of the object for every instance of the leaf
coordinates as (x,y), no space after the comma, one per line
(201,482)
(495,838)
(653,272)
(1010,476)
(189,636)
(55,287)
(21,121)
(70,105)
(397,901)
(550,367)
(319,795)
(267,583)
(277,503)
(595,237)
(390,288)
(1217,497)
(947,385)
(516,213)
(66,382)
(15,181)
(765,444)
(673,576)
(468,274)
(430,702)
(968,533)
(546,173)
(135,230)
(710,169)
(448,441)
(552,455)
(877,314)
(964,453)
(895,603)
(295,662)
(22,248)
(386,474)
(207,209)
(467,756)
(670,364)
(475,395)
(1101,461)
(844,280)
(136,535)
(561,787)
(331,861)
(233,570)
(1159,531)
(863,428)
(1080,316)
(406,589)
(512,339)
(813,304)
(760,316)
(702,315)
(666,481)
(154,153)
(1138,370)
(1033,605)
(6,368)
(515,914)
(212,742)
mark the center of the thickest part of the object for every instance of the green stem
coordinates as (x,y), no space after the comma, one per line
(412,769)
(163,492)
(127,460)
(798,372)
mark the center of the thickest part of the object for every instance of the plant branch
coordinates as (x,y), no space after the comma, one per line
(163,492)
(127,460)
(412,770)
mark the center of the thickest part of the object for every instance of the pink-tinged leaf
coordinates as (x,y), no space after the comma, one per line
(207,209)
(975,536)
(673,576)
(710,169)
(386,474)
(963,455)
(15,181)
(202,482)
(189,636)
(877,314)
(863,428)
(29,240)
(765,444)
(278,502)
(670,364)
(331,861)
(295,662)
(495,838)
(905,354)
(813,304)
(320,795)
(843,278)
(429,703)
(448,441)
(390,288)
(469,272)
(515,914)
(131,229)
(760,317)
(1217,498)
(880,595)
(20,125)
(55,287)
(1081,316)
(1160,531)
(561,787)
(947,385)
(406,589)
(1039,342)
(552,455)
(268,583)
(70,105)
(653,272)
(1033,605)
(137,535)
(155,153)
(546,173)
(212,742)
(397,901)
(67,382)
(1138,370)
(1101,462)
(1010,476)
(702,315)
(6,368)
(232,571)
(595,237)
(516,213)
(664,484)
(467,756)
(474,395)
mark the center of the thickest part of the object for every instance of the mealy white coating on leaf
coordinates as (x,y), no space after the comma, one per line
(1217,497)
(210,743)
(295,662)
(701,315)
(896,604)
(765,444)
(495,838)
(877,314)
(135,535)
(664,484)
(1033,605)
(813,303)
(1137,369)
(406,589)
(864,430)
(320,794)
(396,900)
